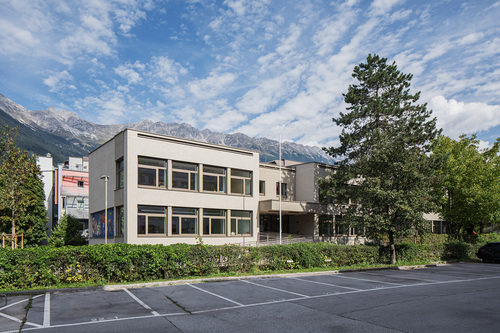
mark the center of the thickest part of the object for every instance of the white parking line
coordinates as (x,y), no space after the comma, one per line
(401,277)
(46,311)
(208,292)
(284,291)
(18,302)
(360,279)
(19,321)
(147,307)
(323,283)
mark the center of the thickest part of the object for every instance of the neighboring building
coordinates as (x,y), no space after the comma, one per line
(66,189)
(164,190)
(45,163)
(72,189)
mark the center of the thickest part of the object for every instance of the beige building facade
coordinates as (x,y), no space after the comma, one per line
(165,190)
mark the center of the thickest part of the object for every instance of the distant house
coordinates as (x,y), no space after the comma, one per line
(165,190)
(72,189)
(66,189)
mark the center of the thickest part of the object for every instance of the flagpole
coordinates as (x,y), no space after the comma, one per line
(280,189)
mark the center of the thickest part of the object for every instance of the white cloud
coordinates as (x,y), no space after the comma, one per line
(15,39)
(212,86)
(458,118)
(380,7)
(57,81)
(166,69)
(127,72)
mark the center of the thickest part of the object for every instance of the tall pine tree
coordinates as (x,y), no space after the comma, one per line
(383,165)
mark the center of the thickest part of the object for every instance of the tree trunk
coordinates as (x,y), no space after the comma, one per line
(393,248)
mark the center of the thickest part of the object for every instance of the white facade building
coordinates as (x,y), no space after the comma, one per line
(165,190)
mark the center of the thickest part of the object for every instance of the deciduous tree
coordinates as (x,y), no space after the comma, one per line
(383,167)
(22,210)
(468,191)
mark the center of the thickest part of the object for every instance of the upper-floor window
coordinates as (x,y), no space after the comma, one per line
(151,220)
(214,221)
(185,176)
(214,179)
(184,221)
(81,184)
(241,182)
(120,173)
(284,193)
(262,187)
(80,204)
(152,172)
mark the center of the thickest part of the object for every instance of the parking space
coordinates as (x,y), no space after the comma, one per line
(375,300)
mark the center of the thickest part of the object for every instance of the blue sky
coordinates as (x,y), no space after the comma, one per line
(259,67)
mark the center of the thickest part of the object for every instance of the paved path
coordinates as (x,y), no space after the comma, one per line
(450,298)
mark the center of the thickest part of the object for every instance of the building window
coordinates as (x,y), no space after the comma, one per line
(120,219)
(326,225)
(151,220)
(241,182)
(284,193)
(262,187)
(184,221)
(214,179)
(214,222)
(152,172)
(439,227)
(120,173)
(185,176)
(241,222)
(81,184)
(340,227)
(80,204)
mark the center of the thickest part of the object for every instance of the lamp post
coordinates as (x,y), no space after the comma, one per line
(105,208)
(279,185)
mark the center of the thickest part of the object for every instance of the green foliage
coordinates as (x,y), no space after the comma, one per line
(22,209)
(468,191)
(384,168)
(47,266)
(67,232)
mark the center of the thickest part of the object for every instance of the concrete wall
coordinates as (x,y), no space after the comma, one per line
(269,173)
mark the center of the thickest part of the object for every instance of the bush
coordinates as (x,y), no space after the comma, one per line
(67,232)
(47,266)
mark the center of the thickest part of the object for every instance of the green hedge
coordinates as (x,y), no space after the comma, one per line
(45,266)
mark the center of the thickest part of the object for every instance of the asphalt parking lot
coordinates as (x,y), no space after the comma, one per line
(447,298)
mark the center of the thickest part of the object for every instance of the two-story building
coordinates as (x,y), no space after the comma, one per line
(164,190)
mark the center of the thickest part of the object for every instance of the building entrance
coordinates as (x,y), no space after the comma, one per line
(271,223)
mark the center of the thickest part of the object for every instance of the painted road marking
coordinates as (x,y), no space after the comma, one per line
(284,291)
(147,307)
(208,292)
(46,311)
(324,283)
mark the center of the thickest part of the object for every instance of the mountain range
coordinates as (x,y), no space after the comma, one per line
(62,134)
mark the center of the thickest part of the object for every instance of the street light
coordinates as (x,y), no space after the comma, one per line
(105,208)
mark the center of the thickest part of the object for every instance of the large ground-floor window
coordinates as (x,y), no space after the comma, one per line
(214,222)
(151,220)
(184,221)
(241,222)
